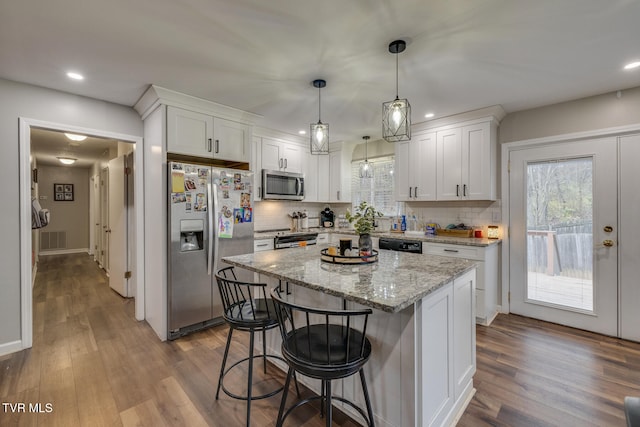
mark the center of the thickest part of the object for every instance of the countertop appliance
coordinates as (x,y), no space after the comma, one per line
(210,215)
(401,245)
(279,185)
(294,240)
(327,218)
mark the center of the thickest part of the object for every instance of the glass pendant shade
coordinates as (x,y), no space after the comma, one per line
(319,138)
(366,168)
(396,114)
(319,135)
(396,120)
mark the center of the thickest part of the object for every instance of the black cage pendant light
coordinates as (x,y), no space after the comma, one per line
(396,114)
(366,168)
(319,131)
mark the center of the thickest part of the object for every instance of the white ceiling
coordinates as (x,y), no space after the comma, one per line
(48,145)
(261,56)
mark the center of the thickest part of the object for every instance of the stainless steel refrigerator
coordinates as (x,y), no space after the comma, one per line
(210,216)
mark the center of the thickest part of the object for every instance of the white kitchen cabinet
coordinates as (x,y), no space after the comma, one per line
(189,132)
(486,285)
(197,134)
(466,162)
(231,140)
(316,178)
(260,245)
(415,168)
(256,166)
(464,338)
(339,177)
(281,155)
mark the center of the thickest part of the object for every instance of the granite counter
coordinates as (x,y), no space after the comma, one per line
(395,282)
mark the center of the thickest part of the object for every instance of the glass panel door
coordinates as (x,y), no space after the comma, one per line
(563,261)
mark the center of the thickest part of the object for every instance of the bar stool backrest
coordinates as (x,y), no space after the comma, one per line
(244,302)
(321,337)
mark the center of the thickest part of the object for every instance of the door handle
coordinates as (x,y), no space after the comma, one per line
(457,190)
(607,243)
(464,190)
(285,163)
(209,145)
(415,192)
(608,229)
(409,192)
(280,163)
(217,146)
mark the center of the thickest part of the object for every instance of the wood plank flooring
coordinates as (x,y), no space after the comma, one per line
(96,365)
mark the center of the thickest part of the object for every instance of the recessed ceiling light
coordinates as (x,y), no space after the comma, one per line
(302,132)
(75,137)
(75,76)
(429,115)
(632,65)
(67,160)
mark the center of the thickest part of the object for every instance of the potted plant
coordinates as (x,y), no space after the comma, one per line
(363,223)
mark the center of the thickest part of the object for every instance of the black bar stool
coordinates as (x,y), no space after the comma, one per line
(329,350)
(246,308)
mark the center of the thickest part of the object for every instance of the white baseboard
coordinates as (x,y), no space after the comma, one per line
(10,347)
(64,251)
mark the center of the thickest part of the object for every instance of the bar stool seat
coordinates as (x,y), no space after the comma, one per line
(246,308)
(328,350)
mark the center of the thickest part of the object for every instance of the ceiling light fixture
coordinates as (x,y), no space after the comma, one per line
(302,132)
(396,114)
(75,137)
(75,76)
(366,168)
(67,160)
(319,131)
(632,65)
(428,115)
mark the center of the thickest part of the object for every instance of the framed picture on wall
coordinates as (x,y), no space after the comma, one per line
(63,192)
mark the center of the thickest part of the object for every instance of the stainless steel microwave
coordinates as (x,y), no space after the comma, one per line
(279,185)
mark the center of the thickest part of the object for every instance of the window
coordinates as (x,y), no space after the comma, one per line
(377,191)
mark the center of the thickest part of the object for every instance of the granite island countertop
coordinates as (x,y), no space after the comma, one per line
(395,282)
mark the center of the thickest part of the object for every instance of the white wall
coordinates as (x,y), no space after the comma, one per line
(593,113)
(21,100)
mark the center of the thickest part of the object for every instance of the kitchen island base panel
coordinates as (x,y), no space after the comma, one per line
(423,358)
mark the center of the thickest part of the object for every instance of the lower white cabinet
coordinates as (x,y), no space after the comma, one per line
(487,274)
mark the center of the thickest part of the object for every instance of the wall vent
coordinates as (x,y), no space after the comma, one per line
(50,240)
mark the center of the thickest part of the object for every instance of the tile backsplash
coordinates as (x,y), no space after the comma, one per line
(271,214)
(274,214)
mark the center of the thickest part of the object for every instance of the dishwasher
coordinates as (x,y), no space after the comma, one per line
(401,245)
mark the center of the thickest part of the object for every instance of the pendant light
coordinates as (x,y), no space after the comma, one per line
(396,114)
(319,131)
(366,168)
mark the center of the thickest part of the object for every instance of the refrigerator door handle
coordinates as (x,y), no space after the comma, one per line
(209,230)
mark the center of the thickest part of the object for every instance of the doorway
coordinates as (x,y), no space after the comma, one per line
(582,271)
(26,125)
(564,257)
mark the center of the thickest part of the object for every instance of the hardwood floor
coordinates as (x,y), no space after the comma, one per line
(95,365)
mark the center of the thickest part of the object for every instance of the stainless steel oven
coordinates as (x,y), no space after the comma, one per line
(279,185)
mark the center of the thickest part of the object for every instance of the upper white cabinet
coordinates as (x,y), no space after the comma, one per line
(281,155)
(189,132)
(415,166)
(339,176)
(198,134)
(316,178)
(466,162)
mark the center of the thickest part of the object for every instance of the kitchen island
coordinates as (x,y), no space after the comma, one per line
(422,330)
